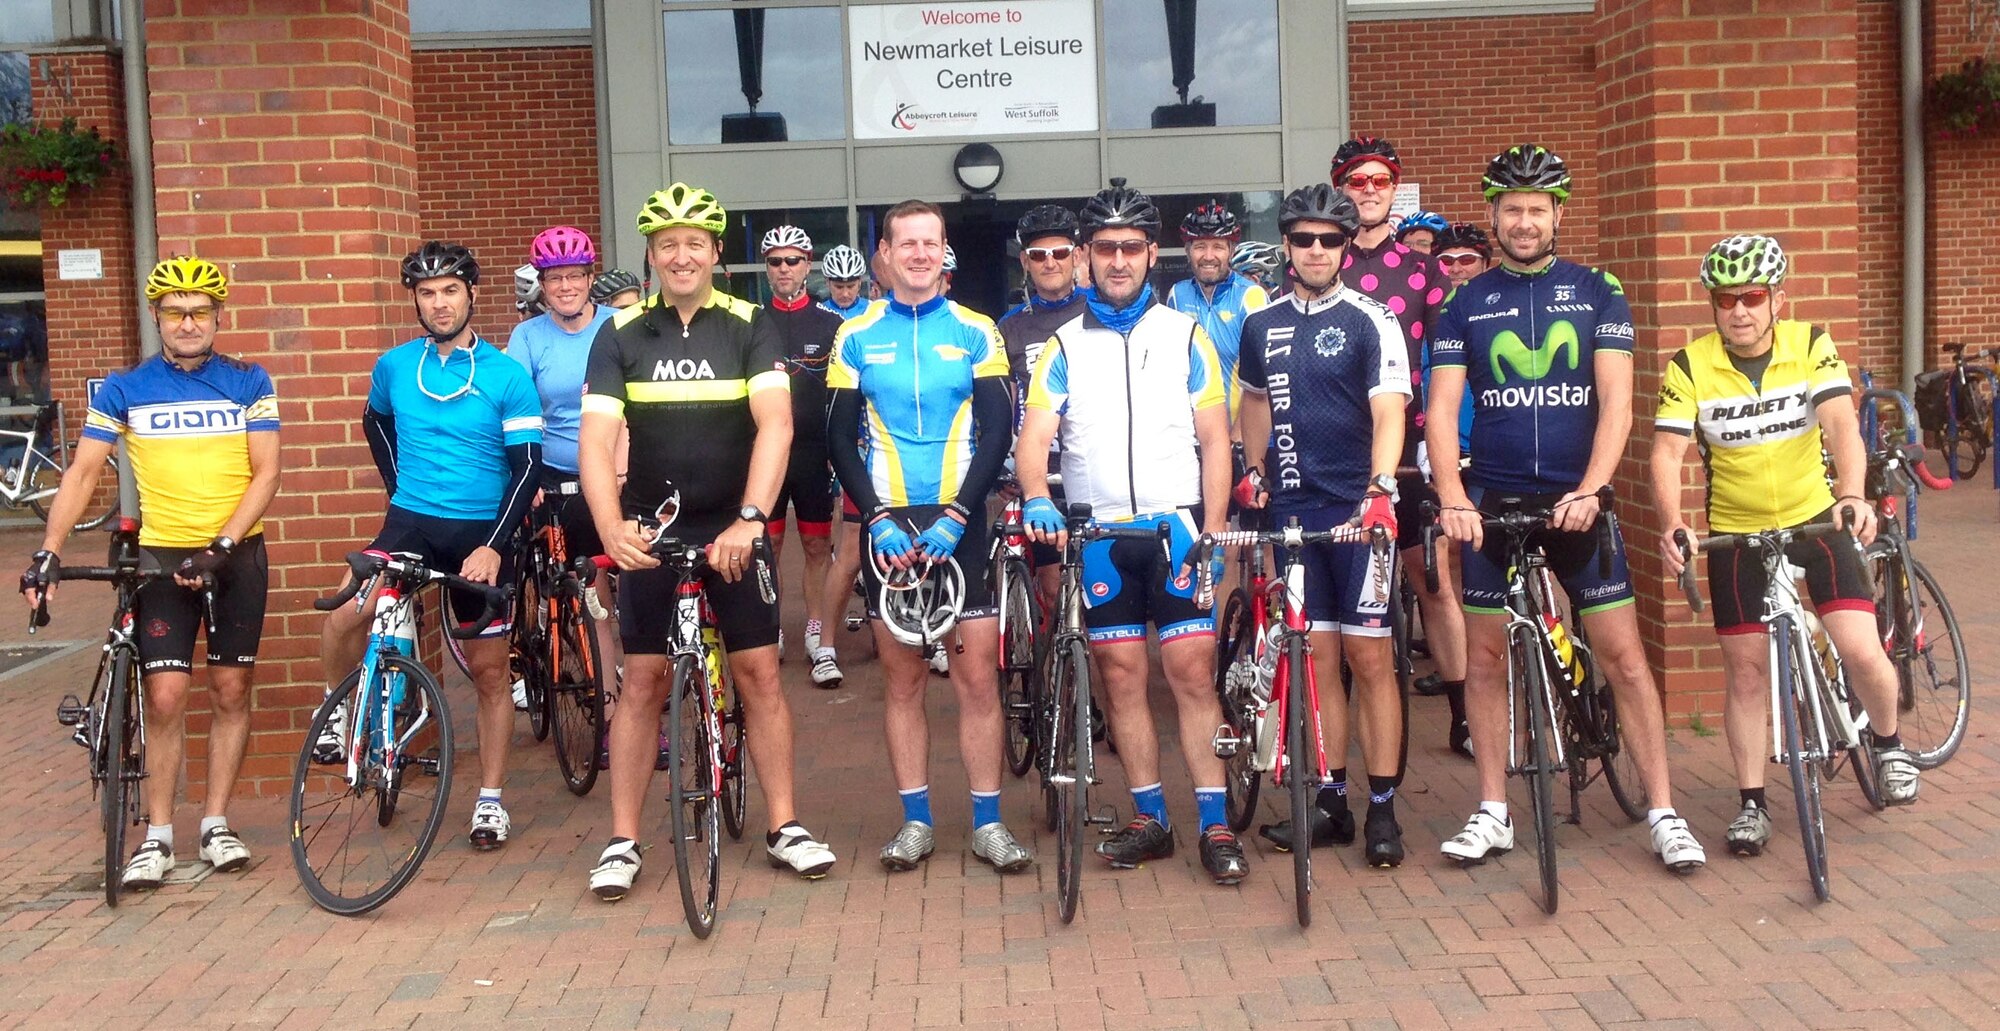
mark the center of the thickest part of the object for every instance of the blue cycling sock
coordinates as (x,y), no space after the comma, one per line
(1150,801)
(985,808)
(1211,804)
(917,805)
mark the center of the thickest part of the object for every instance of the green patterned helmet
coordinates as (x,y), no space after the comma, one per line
(682,205)
(1743,261)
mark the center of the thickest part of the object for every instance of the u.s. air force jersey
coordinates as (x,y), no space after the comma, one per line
(1528,342)
(685,394)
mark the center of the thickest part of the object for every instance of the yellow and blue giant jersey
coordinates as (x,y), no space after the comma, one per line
(188,437)
(914,367)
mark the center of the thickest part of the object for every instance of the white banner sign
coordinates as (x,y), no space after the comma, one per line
(973,69)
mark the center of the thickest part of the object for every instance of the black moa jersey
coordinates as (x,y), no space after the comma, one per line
(685,393)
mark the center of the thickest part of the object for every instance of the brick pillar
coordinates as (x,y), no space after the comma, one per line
(282,135)
(1715,120)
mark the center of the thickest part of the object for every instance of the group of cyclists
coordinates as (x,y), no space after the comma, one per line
(1364,371)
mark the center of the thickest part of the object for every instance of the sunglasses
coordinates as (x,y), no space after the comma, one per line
(1748,299)
(175,316)
(1304,241)
(1362,181)
(1448,260)
(1129,248)
(1049,253)
(786,260)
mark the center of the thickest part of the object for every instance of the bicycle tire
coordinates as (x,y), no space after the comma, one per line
(1836,695)
(312,821)
(1235,643)
(692,796)
(528,645)
(735,800)
(576,693)
(1017,669)
(1070,681)
(118,795)
(1934,701)
(1621,770)
(90,521)
(1541,773)
(1805,775)
(1302,766)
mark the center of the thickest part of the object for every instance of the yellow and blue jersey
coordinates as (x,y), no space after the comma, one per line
(187,434)
(914,367)
(1221,316)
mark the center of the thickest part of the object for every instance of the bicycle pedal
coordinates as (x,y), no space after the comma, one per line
(428,765)
(70,712)
(1226,742)
(853,623)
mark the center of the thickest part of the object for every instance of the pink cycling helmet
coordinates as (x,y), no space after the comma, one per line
(562,245)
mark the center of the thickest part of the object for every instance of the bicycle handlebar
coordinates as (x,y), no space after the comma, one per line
(38,617)
(367,565)
(1760,539)
(671,551)
(1520,523)
(1292,538)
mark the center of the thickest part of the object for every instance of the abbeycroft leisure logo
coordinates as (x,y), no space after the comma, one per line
(910,117)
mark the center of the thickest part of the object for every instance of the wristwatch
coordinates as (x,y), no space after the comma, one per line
(752,514)
(223,544)
(1383,484)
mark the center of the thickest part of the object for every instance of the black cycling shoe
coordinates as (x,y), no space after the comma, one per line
(1222,855)
(1385,840)
(1142,839)
(1328,829)
(1430,685)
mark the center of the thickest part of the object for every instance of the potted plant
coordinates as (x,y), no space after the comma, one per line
(1965,103)
(42,164)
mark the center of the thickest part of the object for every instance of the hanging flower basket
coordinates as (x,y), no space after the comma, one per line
(1965,103)
(42,164)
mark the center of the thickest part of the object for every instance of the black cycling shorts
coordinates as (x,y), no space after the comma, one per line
(1411,493)
(1126,584)
(168,614)
(646,608)
(1836,579)
(973,554)
(444,544)
(808,491)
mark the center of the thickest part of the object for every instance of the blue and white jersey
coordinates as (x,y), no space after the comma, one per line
(860,305)
(1320,363)
(555,359)
(1529,343)
(1221,317)
(453,430)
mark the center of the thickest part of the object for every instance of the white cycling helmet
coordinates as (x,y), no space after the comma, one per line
(785,236)
(528,290)
(950,259)
(843,262)
(920,605)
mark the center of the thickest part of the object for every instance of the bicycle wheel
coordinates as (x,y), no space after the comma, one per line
(1541,773)
(528,645)
(124,766)
(1975,431)
(350,852)
(576,693)
(1805,773)
(735,800)
(694,783)
(1017,670)
(1934,691)
(1235,671)
(46,476)
(1621,771)
(1301,773)
(1069,681)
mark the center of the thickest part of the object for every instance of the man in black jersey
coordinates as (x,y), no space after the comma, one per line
(1048,238)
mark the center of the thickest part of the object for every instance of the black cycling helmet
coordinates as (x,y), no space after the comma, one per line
(1462,236)
(1527,168)
(1361,150)
(610,283)
(1119,207)
(437,258)
(1210,221)
(1045,220)
(1319,202)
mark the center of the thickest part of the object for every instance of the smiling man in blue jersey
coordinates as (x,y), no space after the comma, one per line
(1216,295)
(455,428)
(1546,345)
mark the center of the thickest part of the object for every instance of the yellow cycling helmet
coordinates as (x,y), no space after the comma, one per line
(186,275)
(682,205)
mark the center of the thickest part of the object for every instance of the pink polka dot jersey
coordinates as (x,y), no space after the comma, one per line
(1413,286)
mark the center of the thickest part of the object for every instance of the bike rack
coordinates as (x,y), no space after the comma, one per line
(1871,430)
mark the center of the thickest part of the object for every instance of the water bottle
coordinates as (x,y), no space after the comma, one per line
(1565,651)
(713,646)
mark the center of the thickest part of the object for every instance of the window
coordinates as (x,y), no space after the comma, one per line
(15,89)
(27,21)
(1228,58)
(744,266)
(788,57)
(454,16)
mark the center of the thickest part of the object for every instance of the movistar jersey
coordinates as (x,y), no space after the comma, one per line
(1221,316)
(456,416)
(555,359)
(188,437)
(1321,363)
(860,305)
(1760,441)
(1529,343)
(914,367)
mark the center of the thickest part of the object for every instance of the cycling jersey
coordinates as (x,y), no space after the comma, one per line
(1127,403)
(188,437)
(914,368)
(1413,286)
(1529,343)
(1321,363)
(555,359)
(808,332)
(451,454)
(1025,330)
(1221,313)
(684,392)
(1760,441)
(860,305)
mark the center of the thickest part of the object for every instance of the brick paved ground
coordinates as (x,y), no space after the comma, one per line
(1909,940)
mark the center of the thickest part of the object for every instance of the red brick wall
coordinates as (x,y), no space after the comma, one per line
(506,147)
(1451,93)
(1964,196)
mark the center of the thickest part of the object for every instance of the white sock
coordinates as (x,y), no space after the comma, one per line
(209,823)
(489,794)
(1497,810)
(1654,816)
(161,832)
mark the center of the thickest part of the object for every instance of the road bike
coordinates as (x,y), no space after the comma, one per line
(555,648)
(1020,657)
(32,478)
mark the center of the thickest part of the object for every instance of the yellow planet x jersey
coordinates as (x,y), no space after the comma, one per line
(1760,443)
(188,437)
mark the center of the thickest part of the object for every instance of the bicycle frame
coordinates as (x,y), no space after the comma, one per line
(16,487)
(392,629)
(1531,620)
(1287,595)
(1961,389)
(1782,602)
